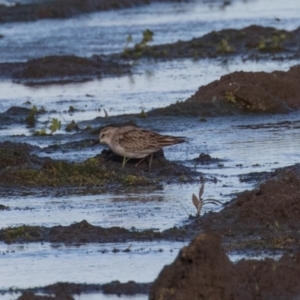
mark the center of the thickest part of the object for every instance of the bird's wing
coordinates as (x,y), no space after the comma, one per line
(137,139)
(134,140)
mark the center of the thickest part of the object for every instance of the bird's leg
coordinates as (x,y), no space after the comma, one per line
(125,160)
(141,161)
(149,165)
(151,157)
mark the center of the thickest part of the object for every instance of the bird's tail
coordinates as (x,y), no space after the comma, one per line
(171,140)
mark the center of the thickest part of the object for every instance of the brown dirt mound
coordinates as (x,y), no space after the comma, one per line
(83,232)
(62,69)
(21,170)
(203,271)
(200,271)
(66,290)
(242,92)
(16,154)
(128,288)
(252,42)
(31,296)
(264,218)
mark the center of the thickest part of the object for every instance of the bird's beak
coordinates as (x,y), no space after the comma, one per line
(95,143)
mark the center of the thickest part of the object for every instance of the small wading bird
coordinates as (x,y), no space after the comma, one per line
(135,142)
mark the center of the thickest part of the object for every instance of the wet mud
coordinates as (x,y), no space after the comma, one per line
(59,9)
(62,69)
(21,171)
(31,296)
(14,115)
(242,92)
(66,290)
(83,232)
(252,42)
(203,269)
(3,207)
(235,93)
(263,219)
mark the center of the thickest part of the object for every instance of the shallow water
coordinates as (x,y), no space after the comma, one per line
(91,263)
(106,32)
(159,85)
(231,139)
(241,149)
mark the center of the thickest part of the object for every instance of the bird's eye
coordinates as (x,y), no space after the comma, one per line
(102,135)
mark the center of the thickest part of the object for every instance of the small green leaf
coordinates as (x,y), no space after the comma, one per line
(147,36)
(72,126)
(55,125)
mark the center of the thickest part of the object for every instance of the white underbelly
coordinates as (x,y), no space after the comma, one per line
(132,154)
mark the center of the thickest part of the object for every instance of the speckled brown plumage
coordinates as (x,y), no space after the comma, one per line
(135,142)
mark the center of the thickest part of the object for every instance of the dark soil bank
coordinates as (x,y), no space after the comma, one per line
(252,42)
(55,9)
(266,218)
(21,171)
(242,92)
(235,93)
(62,69)
(83,232)
(64,291)
(203,271)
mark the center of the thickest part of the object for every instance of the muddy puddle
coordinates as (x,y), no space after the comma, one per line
(170,22)
(158,86)
(83,257)
(156,210)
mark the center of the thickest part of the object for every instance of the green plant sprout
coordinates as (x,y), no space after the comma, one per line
(55,125)
(273,44)
(147,37)
(72,126)
(224,47)
(140,47)
(30,120)
(42,132)
(199,202)
(230,96)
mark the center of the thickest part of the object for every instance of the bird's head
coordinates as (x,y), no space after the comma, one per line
(106,134)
